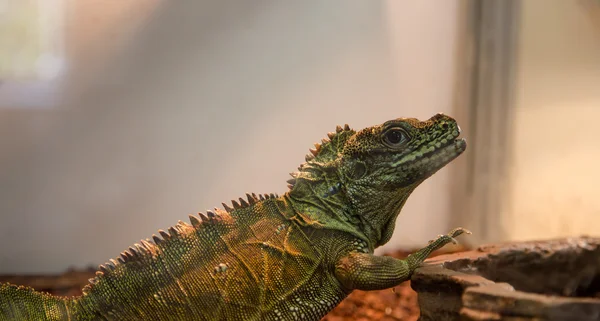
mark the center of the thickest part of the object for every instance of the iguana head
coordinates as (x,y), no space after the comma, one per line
(365,177)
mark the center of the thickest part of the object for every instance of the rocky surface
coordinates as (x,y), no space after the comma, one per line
(546,280)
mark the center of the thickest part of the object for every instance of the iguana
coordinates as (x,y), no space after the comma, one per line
(269,257)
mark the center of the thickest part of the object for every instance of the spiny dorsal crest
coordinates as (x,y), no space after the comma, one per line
(324,152)
(134,254)
(137,252)
(242,203)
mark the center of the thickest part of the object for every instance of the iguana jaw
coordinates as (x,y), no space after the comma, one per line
(426,161)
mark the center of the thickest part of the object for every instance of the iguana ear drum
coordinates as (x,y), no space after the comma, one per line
(358,171)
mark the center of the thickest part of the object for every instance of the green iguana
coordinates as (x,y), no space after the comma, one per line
(269,257)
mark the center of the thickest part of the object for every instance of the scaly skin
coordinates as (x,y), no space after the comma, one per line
(289,257)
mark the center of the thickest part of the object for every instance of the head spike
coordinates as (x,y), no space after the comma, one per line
(134,252)
(243,202)
(235,204)
(174,233)
(146,244)
(227,207)
(346,127)
(104,269)
(125,255)
(338,129)
(164,235)
(211,215)
(251,199)
(330,135)
(261,197)
(203,217)
(309,157)
(195,221)
(156,239)
(313,151)
(140,248)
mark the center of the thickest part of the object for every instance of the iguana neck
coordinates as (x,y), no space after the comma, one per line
(379,223)
(317,194)
(321,199)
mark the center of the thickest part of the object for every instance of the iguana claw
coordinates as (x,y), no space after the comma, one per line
(458,231)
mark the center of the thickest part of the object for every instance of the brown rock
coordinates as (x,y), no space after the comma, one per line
(550,280)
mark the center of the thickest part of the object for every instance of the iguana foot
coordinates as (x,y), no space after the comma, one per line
(450,237)
(415,259)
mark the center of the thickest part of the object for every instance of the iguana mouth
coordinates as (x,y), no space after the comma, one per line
(430,162)
(441,156)
(436,154)
(454,146)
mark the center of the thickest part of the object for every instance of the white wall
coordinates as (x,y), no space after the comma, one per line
(556,150)
(216,99)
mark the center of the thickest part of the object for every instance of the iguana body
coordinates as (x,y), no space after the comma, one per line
(269,257)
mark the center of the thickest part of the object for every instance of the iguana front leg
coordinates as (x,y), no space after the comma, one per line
(361,271)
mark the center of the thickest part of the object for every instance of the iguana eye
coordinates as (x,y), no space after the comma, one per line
(395,137)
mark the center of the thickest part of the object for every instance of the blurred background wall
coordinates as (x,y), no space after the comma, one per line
(556,152)
(172,108)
